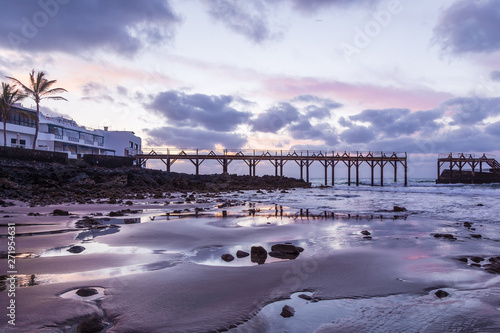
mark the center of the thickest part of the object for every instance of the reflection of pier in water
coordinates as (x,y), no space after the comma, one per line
(278,159)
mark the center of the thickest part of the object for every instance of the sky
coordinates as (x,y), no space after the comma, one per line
(421,77)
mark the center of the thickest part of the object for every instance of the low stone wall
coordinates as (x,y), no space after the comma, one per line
(109,161)
(33,155)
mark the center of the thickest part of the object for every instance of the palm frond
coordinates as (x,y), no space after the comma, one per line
(21,85)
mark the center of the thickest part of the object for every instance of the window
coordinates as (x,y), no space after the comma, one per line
(14,141)
(22,142)
(131,144)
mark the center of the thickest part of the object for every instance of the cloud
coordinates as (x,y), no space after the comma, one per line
(494,129)
(470,26)
(313,6)
(186,137)
(471,110)
(247,18)
(319,108)
(275,118)
(357,134)
(120,26)
(495,76)
(211,112)
(304,130)
(97,92)
(375,96)
(396,122)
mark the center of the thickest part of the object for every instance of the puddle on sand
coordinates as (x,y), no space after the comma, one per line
(106,273)
(462,311)
(95,247)
(211,255)
(73,294)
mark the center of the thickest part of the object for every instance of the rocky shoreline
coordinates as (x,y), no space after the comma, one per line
(42,183)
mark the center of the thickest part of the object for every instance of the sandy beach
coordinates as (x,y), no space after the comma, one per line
(158,268)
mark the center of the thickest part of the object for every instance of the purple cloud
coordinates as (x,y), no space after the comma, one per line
(120,26)
(470,26)
(211,112)
(275,118)
(186,137)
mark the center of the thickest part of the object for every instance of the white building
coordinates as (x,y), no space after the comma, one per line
(64,135)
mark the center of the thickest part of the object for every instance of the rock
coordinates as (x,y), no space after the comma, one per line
(285,249)
(446,236)
(441,293)
(463,260)
(60,212)
(287,311)
(480,205)
(493,268)
(366,233)
(227,257)
(300,249)
(477,259)
(116,213)
(306,297)
(399,209)
(91,325)
(476,236)
(86,292)
(76,249)
(242,254)
(258,254)
(467,224)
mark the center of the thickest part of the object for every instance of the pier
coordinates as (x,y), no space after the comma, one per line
(467,168)
(304,159)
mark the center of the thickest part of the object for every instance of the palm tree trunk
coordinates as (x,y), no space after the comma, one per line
(37,120)
(5,132)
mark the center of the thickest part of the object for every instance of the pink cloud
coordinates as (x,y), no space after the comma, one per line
(369,96)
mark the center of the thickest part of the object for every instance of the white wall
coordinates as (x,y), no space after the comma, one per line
(120,142)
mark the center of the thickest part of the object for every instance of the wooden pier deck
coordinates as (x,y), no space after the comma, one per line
(304,159)
(469,168)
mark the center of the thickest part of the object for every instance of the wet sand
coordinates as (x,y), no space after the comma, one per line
(158,268)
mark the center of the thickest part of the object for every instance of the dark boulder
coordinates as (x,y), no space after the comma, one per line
(287,311)
(86,292)
(441,293)
(477,259)
(285,249)
(76,249)
(476,236)
(366,233)
(306,297)
(60,212)
(399,209)
(227,257)
(116,213)
(242,254)
(258,254)
(445,236)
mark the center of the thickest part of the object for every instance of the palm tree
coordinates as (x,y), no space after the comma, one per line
(39,88)
(8,96)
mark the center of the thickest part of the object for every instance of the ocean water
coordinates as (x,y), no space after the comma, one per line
(422,198)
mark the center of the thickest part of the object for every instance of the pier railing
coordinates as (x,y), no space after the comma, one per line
(278,158)
(466,163)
